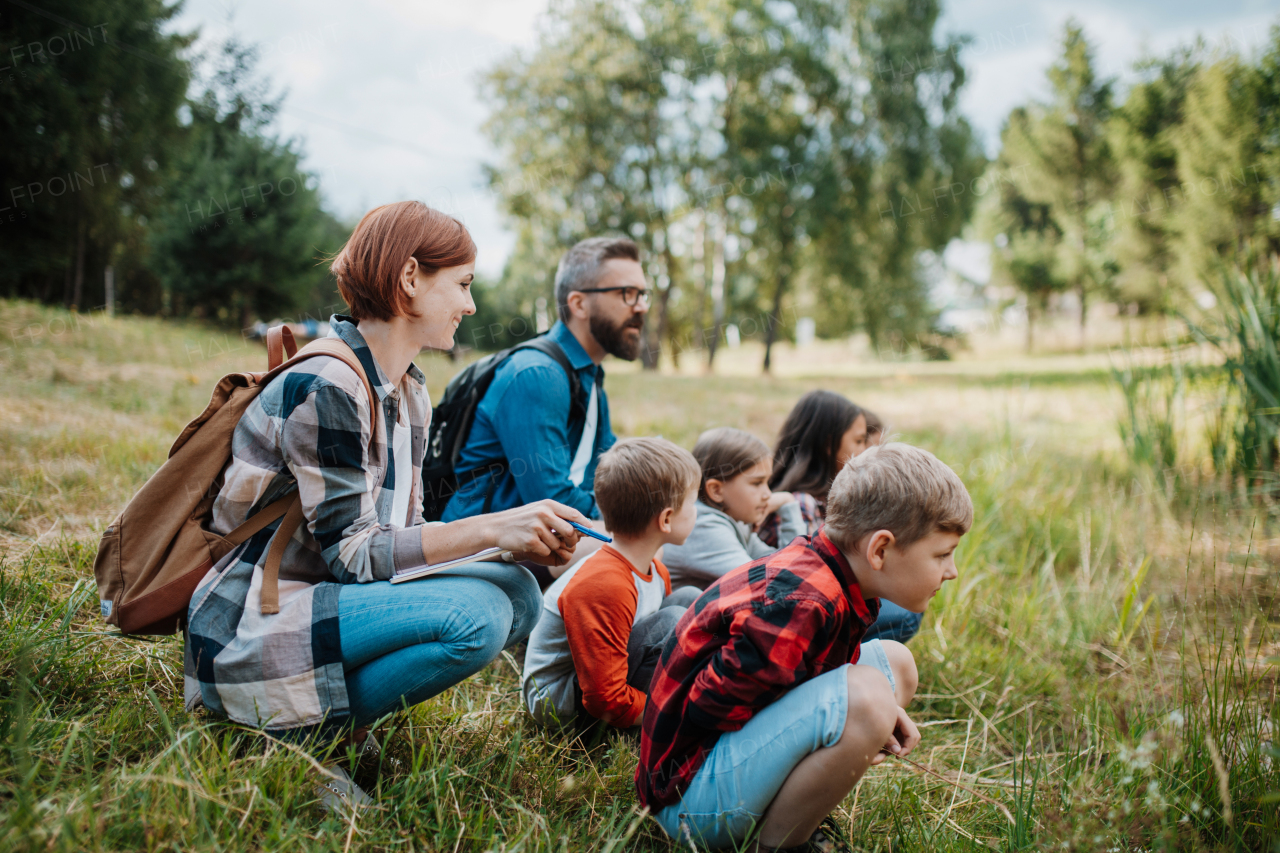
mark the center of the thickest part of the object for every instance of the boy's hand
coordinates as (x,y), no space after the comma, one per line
(904,739)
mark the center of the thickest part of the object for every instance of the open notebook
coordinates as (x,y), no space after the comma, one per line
(424,571)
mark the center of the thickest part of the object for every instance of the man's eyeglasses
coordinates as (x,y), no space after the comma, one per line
(630,295)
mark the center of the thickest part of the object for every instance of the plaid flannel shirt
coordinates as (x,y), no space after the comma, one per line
(309,430)
(754,635)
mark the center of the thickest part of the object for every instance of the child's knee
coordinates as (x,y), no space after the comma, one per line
(873,708)
(903,664)
(682,597)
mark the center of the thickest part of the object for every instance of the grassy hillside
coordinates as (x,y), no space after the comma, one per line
(1102,676)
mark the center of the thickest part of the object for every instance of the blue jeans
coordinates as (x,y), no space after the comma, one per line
(894,623)
(745,769)
(405,643)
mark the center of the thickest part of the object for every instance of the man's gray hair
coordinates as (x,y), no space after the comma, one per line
(580,267)
(899,488)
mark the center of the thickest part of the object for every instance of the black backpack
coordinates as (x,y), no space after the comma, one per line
(451,424)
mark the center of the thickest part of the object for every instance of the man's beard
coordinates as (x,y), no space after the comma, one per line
(614,340)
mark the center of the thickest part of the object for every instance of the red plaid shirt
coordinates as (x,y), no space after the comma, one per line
(754,635)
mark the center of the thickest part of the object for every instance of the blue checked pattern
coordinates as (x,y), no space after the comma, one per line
(308,430)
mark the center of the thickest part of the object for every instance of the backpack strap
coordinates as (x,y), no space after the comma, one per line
(271,571)
(496,468)
(290,506)
(546,346)
(280,340)
(261,519)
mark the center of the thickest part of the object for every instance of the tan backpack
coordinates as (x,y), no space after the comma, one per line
(152,557)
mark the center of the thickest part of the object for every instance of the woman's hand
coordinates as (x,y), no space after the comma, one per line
(539,532)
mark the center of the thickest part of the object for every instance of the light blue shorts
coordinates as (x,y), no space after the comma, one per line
(744,771)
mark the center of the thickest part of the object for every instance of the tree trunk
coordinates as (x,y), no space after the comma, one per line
(67,275)
(664,300)
(651,336)
(702,270)
(771,332)
(78,284)
(717,288)
(1084,314)
(650,350)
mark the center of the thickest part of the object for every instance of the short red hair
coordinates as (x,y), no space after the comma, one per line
(369,265)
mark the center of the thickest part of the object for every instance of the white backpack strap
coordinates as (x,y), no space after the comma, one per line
(581,459)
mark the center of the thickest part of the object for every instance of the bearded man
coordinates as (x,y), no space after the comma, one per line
(549,441)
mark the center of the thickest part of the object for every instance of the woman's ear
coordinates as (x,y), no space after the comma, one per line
(715,490)
(409,277)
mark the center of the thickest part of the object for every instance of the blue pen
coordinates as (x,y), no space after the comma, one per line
(587,531)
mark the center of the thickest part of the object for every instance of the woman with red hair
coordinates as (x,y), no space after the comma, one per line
(346,647)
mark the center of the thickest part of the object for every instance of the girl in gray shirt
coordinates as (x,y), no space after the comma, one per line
(733,498)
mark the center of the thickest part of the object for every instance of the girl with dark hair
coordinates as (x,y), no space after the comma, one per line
(823,432)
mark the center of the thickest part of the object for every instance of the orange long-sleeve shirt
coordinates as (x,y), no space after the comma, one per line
(600,605)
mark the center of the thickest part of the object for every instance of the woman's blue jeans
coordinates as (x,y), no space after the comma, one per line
(894,623)
(405,643)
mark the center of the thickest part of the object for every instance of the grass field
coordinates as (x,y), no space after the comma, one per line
(1102,676)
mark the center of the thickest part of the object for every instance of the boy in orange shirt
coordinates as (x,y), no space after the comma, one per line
(605,621)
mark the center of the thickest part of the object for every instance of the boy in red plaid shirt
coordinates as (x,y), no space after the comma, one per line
(765,711)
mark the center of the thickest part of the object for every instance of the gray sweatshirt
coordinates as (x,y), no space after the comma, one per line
(719,544)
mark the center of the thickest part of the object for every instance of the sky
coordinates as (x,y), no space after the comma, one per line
(382,95)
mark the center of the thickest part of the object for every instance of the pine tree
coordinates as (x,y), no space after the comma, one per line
(1069,168)
(1227,156)
(1143,131)
(241,234)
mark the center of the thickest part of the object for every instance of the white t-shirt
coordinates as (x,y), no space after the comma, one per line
(548,678)
(402,453)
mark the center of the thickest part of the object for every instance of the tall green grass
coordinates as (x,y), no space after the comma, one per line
(1216,411)
(1152,426)
(1246,332)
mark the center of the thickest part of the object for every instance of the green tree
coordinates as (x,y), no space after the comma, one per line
(1065,148)
(242,230)
(1143,131)
(591,140)
(1027,238)
(907,164)
(775,96)
(88,115)
(735,141)
(1227,164)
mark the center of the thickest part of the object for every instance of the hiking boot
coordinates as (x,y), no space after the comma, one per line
(827,838)
(339,794)
(373,761)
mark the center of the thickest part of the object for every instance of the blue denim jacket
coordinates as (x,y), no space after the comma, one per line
(524,418)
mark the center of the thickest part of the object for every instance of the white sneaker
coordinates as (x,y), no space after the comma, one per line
(373,762)
(338,793)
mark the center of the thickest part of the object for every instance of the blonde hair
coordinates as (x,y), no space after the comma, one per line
(638,478)
(896,487)
(723,453)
